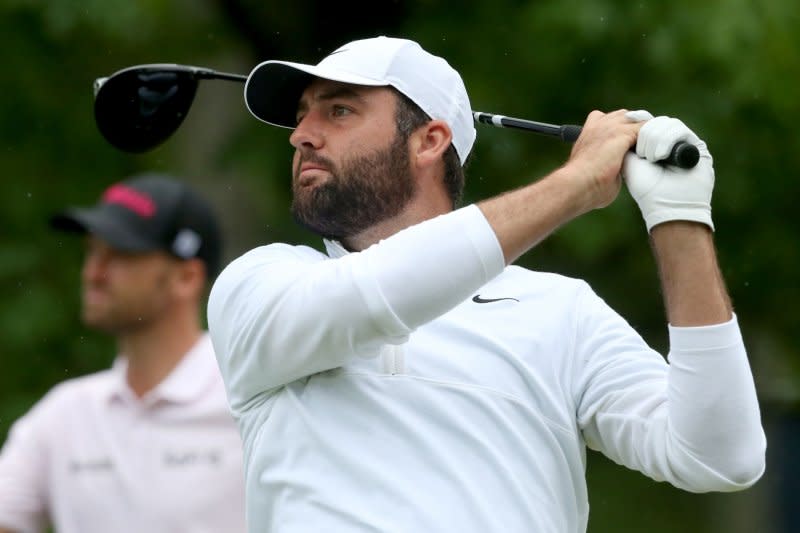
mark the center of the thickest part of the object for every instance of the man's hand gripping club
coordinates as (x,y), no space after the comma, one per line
(589,180)
(665,193)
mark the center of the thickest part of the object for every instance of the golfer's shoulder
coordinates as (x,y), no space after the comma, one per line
(538,286)
(75,394)
(264,264)
(545,280)
(88,384)
(275,253)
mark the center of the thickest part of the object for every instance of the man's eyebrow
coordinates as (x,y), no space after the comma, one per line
(341,91)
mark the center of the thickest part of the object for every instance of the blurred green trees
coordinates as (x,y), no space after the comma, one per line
(728,68)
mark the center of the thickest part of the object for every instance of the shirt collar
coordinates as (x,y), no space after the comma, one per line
(118,389)
(335,249)
(185,383)
(191,377)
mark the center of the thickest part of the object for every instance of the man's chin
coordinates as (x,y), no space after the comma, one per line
(319,225)
(321,230)
(100,322)
(97,325)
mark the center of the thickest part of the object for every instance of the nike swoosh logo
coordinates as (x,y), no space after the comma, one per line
(478,300)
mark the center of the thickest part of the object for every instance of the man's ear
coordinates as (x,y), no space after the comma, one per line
(430,143)
(190,278)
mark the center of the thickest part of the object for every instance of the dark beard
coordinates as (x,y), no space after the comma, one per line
(366,190)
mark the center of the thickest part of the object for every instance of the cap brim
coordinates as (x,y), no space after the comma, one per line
(273,88)
(102,223)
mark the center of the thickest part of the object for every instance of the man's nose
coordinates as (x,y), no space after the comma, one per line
(94,267)
(308,132)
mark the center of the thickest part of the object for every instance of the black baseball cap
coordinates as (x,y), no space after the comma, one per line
(150,212)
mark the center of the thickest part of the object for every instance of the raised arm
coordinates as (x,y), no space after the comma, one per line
(275,317)
(676,206)
(696,423)
(590,179)
(281,313)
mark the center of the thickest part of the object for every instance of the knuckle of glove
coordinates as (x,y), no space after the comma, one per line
(654,133)
(658,136)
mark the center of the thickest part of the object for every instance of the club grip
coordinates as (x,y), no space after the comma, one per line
(683,154)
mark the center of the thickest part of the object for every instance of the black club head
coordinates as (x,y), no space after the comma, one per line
(138,108)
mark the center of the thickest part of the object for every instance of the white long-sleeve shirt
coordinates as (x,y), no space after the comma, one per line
(421,385)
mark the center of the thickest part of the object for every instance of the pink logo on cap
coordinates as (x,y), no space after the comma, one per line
(139,203)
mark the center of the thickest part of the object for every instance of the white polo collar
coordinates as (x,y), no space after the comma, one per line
(187,381)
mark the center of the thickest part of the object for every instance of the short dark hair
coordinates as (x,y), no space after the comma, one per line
(409,117)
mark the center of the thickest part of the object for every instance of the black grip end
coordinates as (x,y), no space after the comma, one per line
(683,155)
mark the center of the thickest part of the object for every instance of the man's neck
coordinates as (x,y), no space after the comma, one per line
(415,213)
(153,352)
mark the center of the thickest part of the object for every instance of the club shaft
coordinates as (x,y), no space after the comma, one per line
(683,154)
(208,74)
(502,121)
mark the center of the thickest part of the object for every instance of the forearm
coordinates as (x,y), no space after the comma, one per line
(590,179)
(693,287)
(524,217)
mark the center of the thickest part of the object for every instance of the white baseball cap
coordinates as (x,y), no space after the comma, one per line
(273,88)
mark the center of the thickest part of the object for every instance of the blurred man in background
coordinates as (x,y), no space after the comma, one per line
(148,445)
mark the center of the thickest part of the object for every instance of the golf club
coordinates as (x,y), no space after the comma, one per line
(683,154)
(139,107)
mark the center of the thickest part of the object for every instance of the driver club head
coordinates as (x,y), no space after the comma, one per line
(139,107)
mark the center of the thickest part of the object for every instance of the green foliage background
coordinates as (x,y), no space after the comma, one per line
(726,67)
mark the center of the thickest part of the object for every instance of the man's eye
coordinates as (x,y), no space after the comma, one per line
(298,118)
(340,111)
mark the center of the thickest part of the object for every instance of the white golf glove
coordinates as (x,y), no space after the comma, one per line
(665,192)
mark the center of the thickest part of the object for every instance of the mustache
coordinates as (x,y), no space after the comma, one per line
(315,159)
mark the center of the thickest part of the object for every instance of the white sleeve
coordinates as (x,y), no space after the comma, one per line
(277,314)
(23,475)
(694,422)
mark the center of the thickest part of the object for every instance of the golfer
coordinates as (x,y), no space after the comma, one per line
(411,378)
(148,445)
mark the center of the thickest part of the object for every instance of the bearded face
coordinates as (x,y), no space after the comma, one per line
(361,191)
